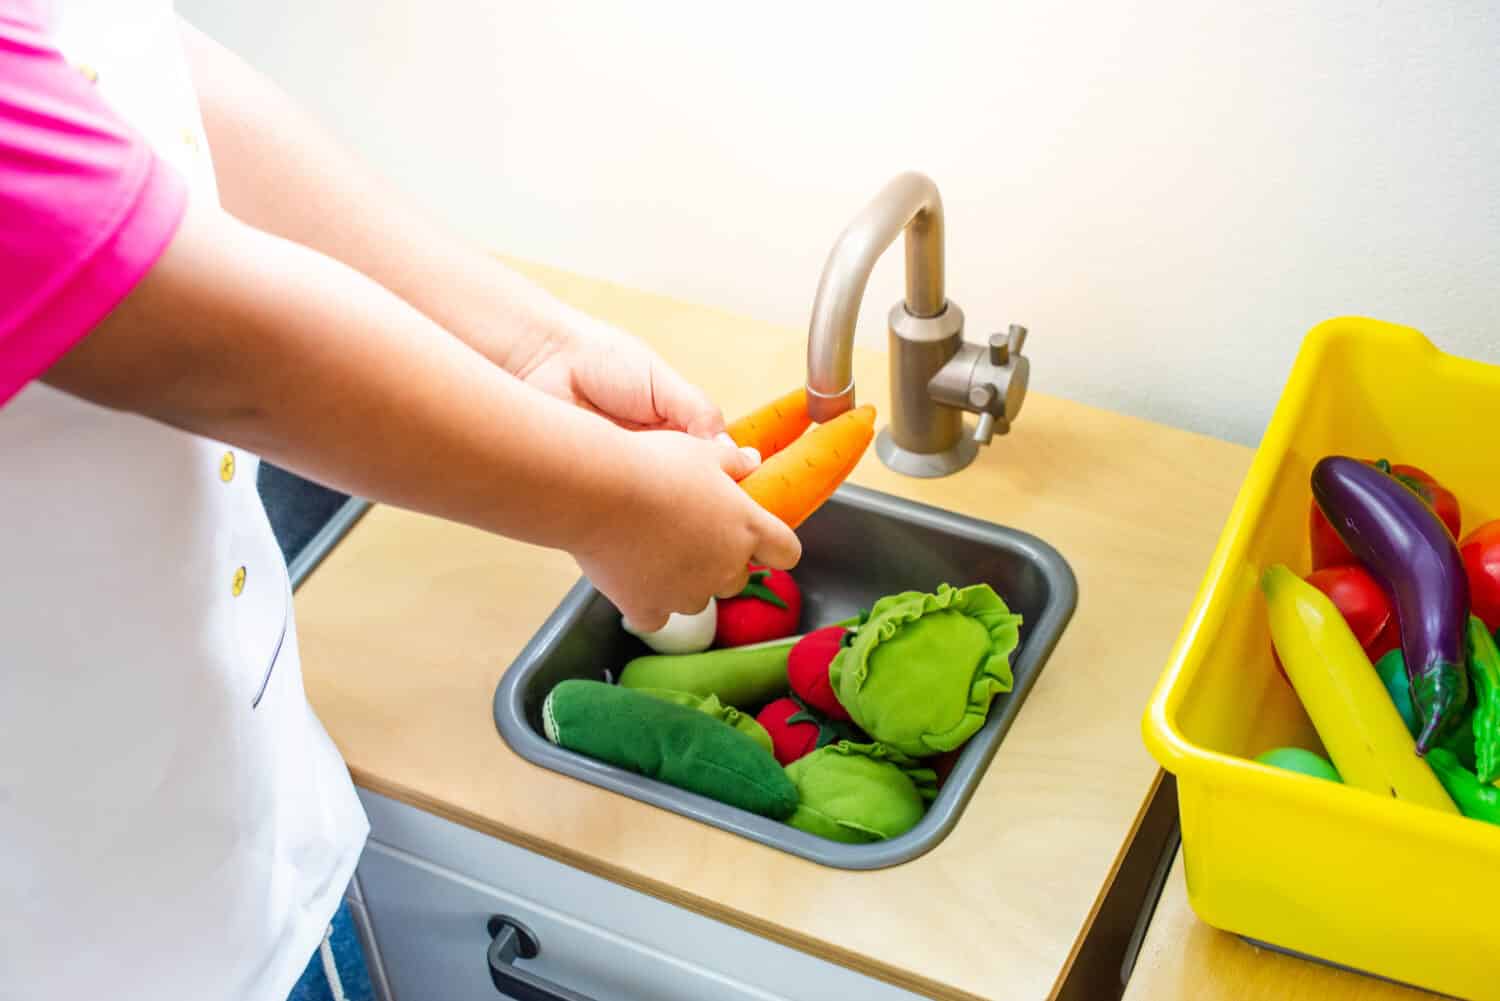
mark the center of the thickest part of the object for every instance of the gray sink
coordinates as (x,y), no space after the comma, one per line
(860,546)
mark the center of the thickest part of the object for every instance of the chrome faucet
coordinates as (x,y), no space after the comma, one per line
(935,376)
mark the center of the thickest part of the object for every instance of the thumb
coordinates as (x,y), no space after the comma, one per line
(736,461)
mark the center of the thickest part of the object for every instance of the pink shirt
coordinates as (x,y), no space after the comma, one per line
(86,207)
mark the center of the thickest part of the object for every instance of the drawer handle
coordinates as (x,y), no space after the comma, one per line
(510,940)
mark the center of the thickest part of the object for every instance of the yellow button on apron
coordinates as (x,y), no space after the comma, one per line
(239,582)
(190,139)
(88,72)
(226,467)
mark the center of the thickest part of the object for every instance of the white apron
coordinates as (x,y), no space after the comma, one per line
(174,821)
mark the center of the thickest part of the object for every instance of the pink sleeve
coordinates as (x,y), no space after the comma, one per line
(86,207)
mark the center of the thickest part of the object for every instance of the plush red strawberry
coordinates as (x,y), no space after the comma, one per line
(796,730)
(807,670)
(769,608)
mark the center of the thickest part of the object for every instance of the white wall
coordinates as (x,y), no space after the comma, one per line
(1168,194)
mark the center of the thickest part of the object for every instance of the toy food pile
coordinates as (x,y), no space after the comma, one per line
(1389,642)
(837,732)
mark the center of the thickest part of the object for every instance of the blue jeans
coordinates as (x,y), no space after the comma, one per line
(348,960)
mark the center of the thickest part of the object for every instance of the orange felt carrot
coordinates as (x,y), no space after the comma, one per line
(774,426)
(796,481)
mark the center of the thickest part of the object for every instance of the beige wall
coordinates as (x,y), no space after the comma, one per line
(1169,194)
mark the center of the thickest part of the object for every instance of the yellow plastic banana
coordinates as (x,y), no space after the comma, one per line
(1344,697)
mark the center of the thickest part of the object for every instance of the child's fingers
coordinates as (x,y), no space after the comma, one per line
(736,461)
(645,620)
(778,546)
(735,586)
(682,405)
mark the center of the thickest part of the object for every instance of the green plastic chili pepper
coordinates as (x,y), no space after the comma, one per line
(1484,672)
(1392,671)
(1472,797)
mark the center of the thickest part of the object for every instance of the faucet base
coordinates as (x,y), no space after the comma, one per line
(926,465)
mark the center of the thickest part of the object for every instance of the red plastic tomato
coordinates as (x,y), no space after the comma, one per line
(1363,604)
(1328,550)
(1481,555)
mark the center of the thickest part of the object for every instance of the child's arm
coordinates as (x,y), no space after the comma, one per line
(254,340)
(280,172)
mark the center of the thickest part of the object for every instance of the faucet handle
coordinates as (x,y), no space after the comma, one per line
(1002,346)
(982,399)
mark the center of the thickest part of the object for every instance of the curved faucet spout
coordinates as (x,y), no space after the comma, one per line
(909,204)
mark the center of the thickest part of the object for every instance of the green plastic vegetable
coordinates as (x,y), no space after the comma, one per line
(675,744)
(741,676)
(1474,798)
(1295,759)
(1392,671)
(858,793)
(919,676)
(1484,673)
(710,704)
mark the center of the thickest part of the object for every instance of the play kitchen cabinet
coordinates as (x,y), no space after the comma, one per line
(439,895)
(409,624)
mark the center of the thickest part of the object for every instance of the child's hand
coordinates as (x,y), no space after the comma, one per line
(688,532)
(604,369)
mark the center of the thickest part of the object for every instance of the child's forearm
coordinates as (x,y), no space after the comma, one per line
(282,173)
(253,340)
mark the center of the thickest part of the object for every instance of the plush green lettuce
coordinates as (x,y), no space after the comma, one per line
(858,793)
(919,676)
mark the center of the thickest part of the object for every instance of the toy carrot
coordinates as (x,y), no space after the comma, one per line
(774,426)
(795,482)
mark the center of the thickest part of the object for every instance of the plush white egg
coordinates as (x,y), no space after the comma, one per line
(682,633)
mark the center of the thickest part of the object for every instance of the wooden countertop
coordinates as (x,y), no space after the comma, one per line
(409,624)
(1183,959)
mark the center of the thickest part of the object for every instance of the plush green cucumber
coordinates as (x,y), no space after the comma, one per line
(672,743)
(710,704)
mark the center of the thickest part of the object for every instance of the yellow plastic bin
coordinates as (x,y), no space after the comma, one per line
(1299,863)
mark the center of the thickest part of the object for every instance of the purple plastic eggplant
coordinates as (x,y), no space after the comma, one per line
(1408,549)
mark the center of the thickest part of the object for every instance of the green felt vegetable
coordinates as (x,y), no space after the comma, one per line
(858,793)
(1484,675)
(921,673)
(673,743)
(1472,797)
(1392,671)
(742,676)
(711,705)
(1296,759)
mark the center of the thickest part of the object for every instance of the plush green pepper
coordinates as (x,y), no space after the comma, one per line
(675,744)
(1484,673)
(1473,798)
(1392,671)
(742,676)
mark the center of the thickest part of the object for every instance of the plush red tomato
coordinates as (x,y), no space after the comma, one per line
(769,608)
(1363,604)
(1481,554)
(1328,550)
(943,764)
(807,670)
(794,731)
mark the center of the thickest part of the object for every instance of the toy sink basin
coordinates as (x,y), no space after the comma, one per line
(861,546)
